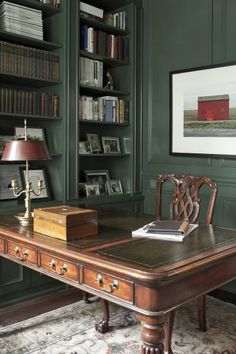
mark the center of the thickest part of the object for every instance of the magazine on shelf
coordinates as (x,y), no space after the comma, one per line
(166,230)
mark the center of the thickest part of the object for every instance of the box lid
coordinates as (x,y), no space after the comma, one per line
(66,215)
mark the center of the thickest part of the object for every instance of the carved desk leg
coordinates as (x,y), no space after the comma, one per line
(152,334)
(103,325)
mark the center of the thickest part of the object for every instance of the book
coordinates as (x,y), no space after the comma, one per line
(91,10)
(177,232)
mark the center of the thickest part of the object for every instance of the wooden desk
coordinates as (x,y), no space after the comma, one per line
(148,276)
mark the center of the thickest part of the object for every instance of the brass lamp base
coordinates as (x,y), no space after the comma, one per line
(25,220)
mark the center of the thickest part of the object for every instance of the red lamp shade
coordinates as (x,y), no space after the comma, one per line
(20,150)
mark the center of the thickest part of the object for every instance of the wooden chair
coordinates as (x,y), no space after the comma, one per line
(185,205)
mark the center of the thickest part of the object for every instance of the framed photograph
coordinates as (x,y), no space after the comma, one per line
(34,175)
(85,147)
(91,189)
(111,145)
(9,172)
(94,142)
(99,177)
(114,187)
(203,110)
(32,133)
(3,140)
(127,145)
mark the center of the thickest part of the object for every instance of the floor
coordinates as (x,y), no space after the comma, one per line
(37,306)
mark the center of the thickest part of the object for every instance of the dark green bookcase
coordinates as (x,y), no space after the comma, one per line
(126,74)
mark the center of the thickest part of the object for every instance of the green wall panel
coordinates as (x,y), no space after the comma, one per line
(179,35)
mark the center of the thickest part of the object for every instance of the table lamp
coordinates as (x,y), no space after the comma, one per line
(26,150)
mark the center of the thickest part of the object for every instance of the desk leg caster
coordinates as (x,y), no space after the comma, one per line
(152,334)
(103,325)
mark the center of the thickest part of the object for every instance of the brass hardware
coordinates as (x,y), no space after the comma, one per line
(114,284)
(25,254)
(63,269)
(52,264)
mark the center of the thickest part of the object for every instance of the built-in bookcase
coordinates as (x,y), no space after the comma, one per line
(32,86)
(106,117)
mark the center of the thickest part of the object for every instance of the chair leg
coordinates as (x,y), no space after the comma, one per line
(85,297)
(201,304)
(169,323)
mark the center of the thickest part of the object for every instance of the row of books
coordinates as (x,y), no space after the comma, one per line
(91,72)
(104,109)
(53,3)
(27,61)
(22,20)
(29,102)
(117,19)
(102,43)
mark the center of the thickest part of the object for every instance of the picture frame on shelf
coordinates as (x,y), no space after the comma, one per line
(99,177)
(9,172)
(34,175)
(92,189)
(203,110)
(32,133)
(3,140)
(127,145)
(85,147)
(111,145)
(94,142)
(114,187)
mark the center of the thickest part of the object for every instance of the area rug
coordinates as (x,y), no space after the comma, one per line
(70,330)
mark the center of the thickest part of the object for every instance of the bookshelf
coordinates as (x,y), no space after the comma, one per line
(32,84)
(121,63)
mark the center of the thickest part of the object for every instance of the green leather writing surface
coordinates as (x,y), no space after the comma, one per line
(153,253)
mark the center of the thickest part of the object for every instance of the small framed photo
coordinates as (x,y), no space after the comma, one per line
(91,189)
(99,177)
(32,133)
(94,142)
(9,172)
(36,174)
(3,140)
(114,187)
(127,145)
(111,145)
(85,147)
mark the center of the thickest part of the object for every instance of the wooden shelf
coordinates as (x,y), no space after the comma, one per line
(108,61)
(125,124)
(27,116)
(28,41)
(89,20)
(14,79)
(100,91)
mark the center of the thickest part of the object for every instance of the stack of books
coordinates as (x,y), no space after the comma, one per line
(169,230)
(21,20)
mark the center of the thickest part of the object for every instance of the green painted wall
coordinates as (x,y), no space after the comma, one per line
(179,35)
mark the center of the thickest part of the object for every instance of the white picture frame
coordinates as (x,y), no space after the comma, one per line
(32,133)
(114,187)
(111,145)
(94,142)
(127,145)
(91,189)
(209,131)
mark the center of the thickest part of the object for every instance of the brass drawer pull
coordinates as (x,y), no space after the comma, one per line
(25,254)
(114,284)
(63,269)
(52,264)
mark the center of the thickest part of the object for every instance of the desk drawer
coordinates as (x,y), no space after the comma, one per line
(60,266)
(1,245)
(21,252)
(120,288)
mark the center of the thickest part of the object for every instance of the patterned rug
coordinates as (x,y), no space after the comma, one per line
(70,330)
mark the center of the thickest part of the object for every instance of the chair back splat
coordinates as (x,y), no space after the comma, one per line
(185,200)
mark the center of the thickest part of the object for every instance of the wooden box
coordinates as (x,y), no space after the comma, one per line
(65,222)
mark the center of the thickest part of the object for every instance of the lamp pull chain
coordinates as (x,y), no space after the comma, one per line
(25,126)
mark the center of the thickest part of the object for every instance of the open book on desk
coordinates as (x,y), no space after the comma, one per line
(166,230)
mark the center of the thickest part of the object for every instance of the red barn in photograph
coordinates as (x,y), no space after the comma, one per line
(213,107)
